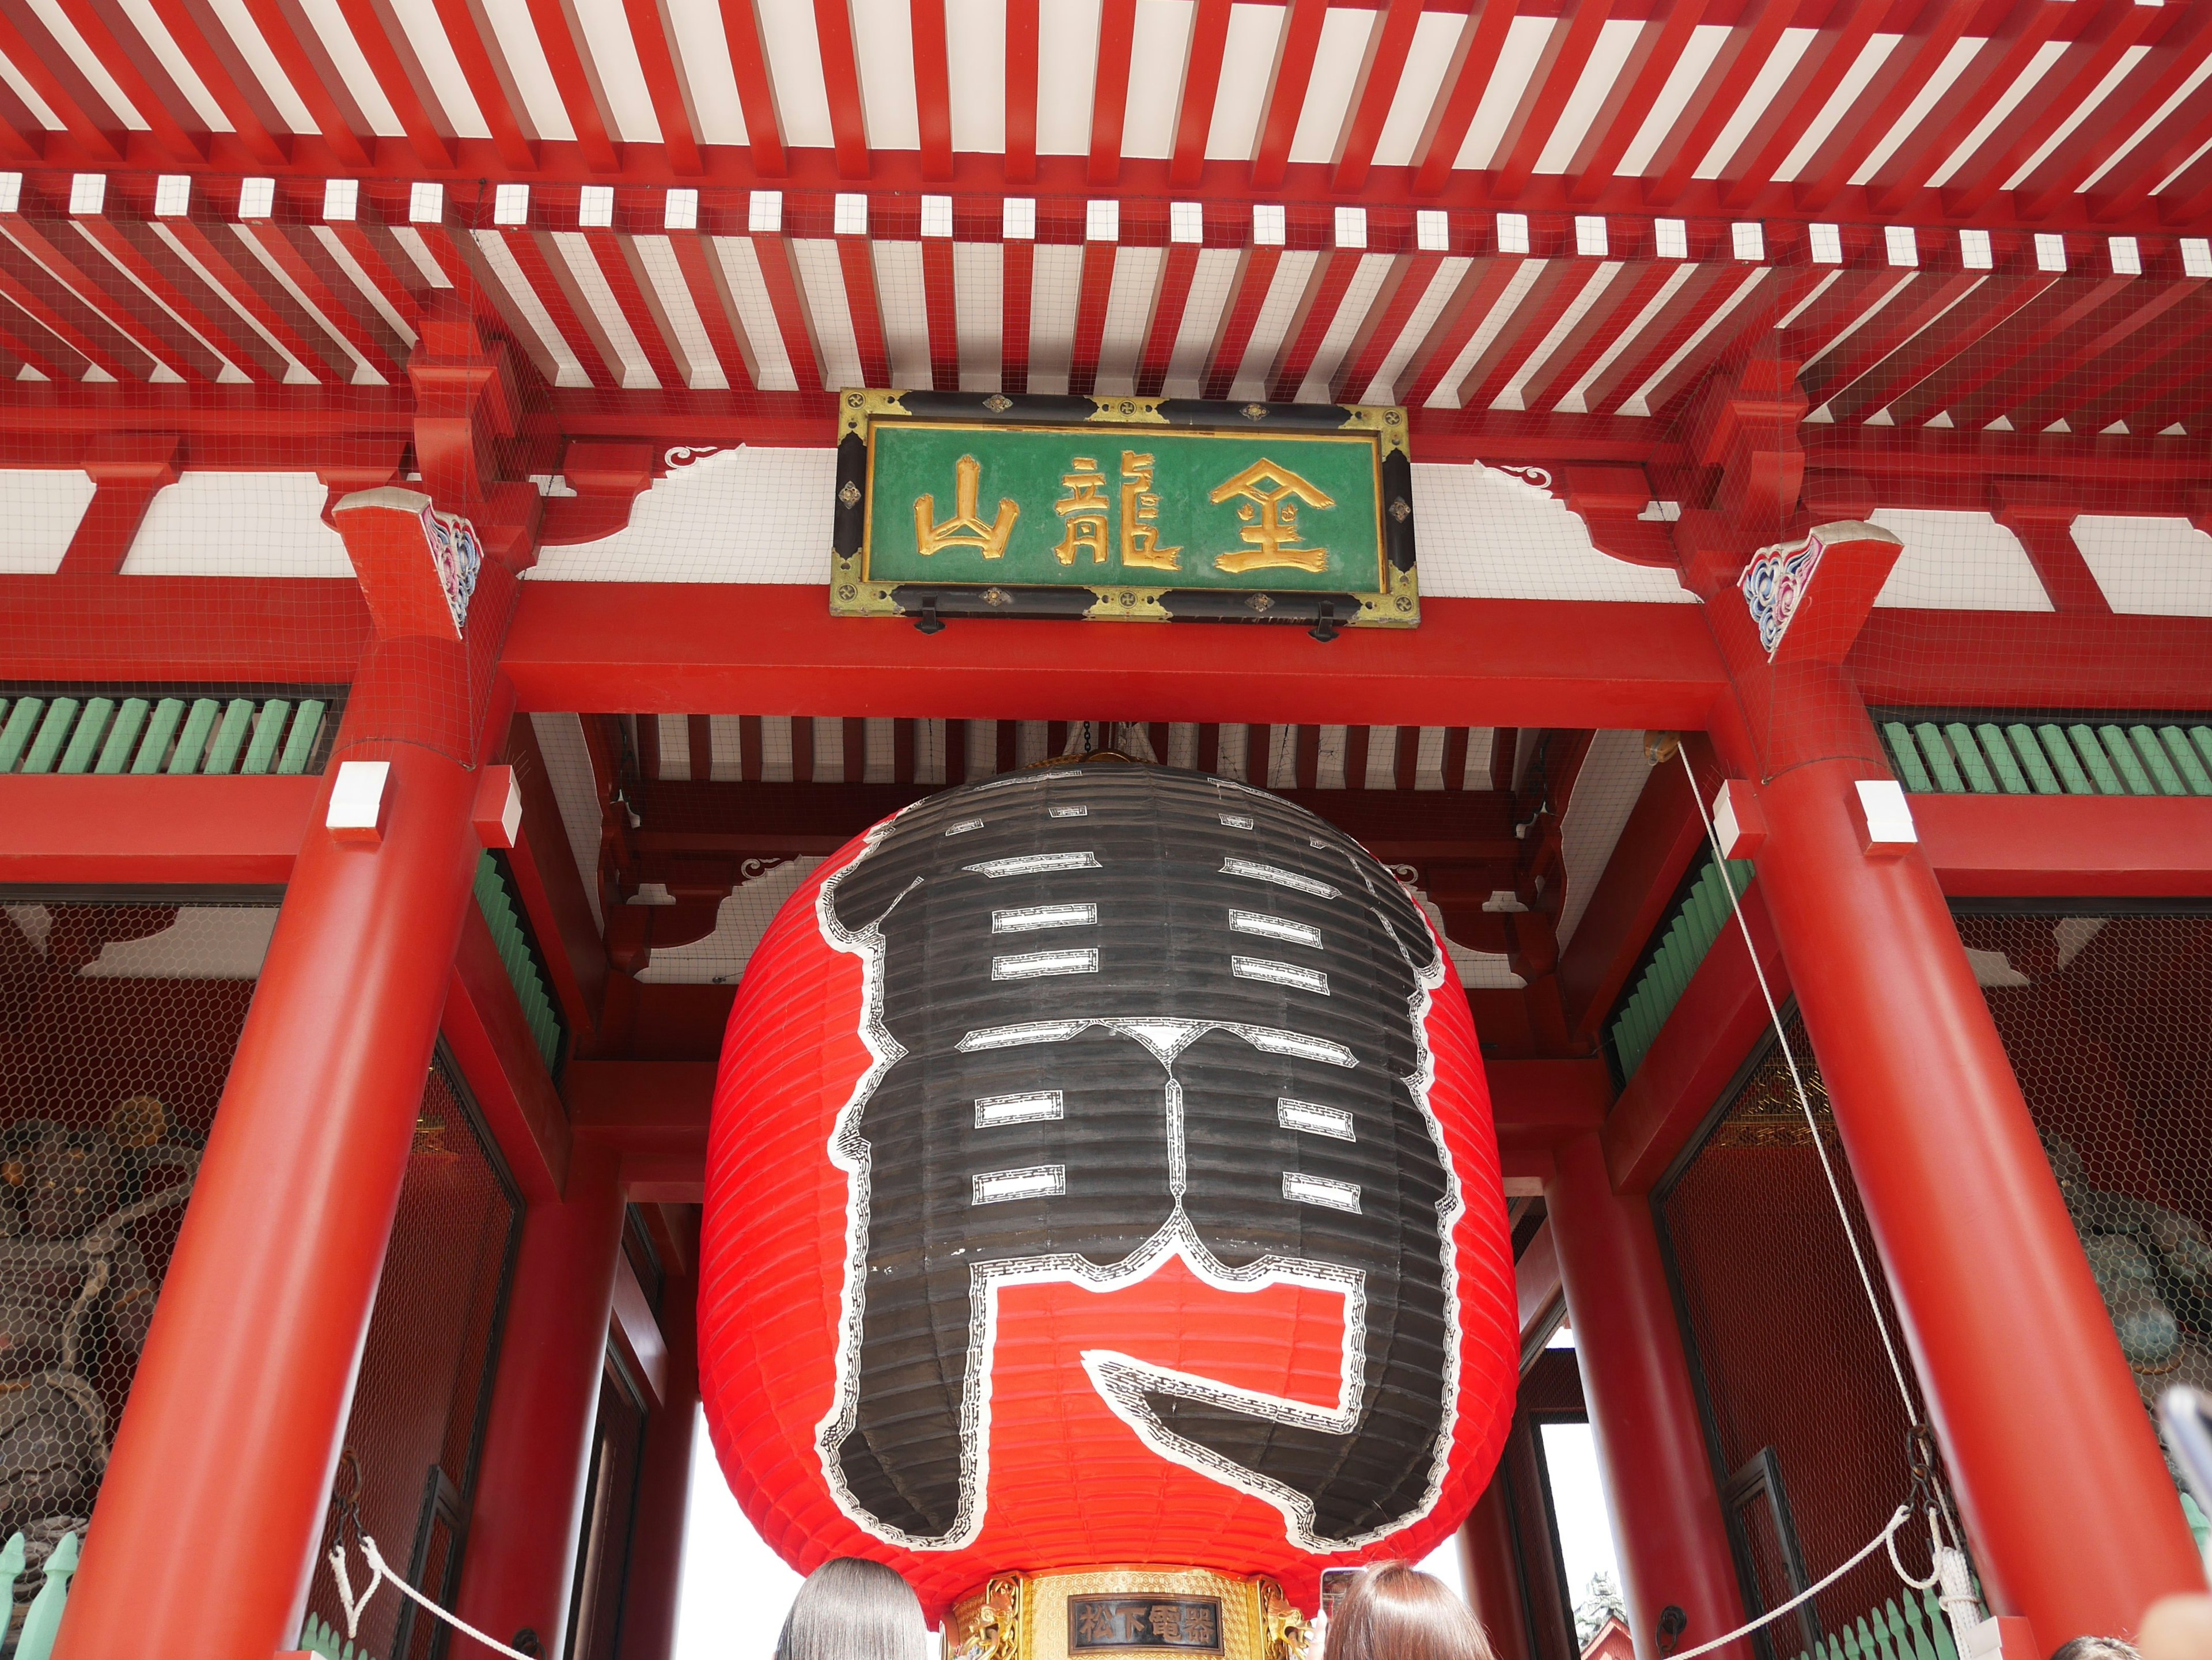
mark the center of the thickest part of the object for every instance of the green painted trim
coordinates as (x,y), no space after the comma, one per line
(2062,757)
(2032,760)
(2155,759)
(1704,913)
(299,745)
(1939,758)
(1991,738)
(123,736)
(15,736)
(200,725)
(156,749)
(2125,760)
(1969,752)
(2091,749)
(230,738)
(90,729)
(47,747)
(2184,760)
(1907,757)
(268,728)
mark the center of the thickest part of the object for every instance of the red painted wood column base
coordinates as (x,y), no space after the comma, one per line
(530,1483)
(1651,1442)
(2075,1521)
(232,1429)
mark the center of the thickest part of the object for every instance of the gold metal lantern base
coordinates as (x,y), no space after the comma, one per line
(1123,1611)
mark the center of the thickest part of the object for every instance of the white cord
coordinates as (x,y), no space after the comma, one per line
(1804,1101)
(380,1573)
(1871,1546)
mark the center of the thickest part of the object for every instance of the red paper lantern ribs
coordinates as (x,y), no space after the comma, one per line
(1101,1171)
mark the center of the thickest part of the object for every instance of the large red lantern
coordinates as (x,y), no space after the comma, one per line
(1102,1172)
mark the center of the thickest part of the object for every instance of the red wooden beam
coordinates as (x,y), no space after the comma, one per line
(2018,388)
(784,297)
(307,65)
(2177,56)
(756,89)
(855,261)
(1659,49)
(1402,290)
(1473,60)
(774,649)
(2083,382)
(1388,44)
(491,82)
(711,298)
(170,281)
(1542,305)
(932,89)
(67,317)
(1826,61)
(539,261)
(1091,299)
(1931,38)
(250,287)
(1021,93)
(1324,295)
(1168,303)
(1895,382)
(941,313)
(2010,51)
(1566,55)
(1016,289)
(84,115)
(616,256)
(158,104)
(333,294)
(1201,81)
(302,630)
(1622,303)
(233,87)
(560,35)
(1256,274)
(1287,91)
(1717,100)
(141,831)
(2117,27)
(2035,659)
(1117,26)
(398,76)
(98,282)
(654,32)
(841,75)
(2062,846)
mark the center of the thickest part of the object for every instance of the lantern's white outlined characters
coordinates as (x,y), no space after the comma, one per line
(1403,1235)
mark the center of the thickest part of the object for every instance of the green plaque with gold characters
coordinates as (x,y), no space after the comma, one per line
(1133,509)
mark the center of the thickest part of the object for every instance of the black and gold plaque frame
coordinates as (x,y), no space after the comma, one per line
(1136,509)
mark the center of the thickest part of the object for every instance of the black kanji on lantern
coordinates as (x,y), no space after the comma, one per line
(1120,1012)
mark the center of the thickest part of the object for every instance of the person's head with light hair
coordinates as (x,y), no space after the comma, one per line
(852,1609)
(1394,1612)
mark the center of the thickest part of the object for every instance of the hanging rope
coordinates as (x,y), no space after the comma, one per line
(380,1574)
(1887,1536)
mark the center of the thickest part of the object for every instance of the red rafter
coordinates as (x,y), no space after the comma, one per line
(393,61)
(1800,103)
(1325,291)
(65,93)
(840,78)
(789,303)
(1894,382)
(1620,305)
(233,87)
(638,303)
(940,308)
(1402,290)
(1168,306)
(1256,274)
(2178,55)
(756,89)
(2179,139)
(2007,56)
(1635,91)
(121,306)
(1016,289)
(1750,316)
(1546,300)
(932,89)
(2121,25)
(2027,334)
(361,242)
(1566,55)
(308,67)
(1472,61)
(1201,81)
(1659,340)
(332,295)
(20,281)
(1456,325)
(710,297)
(860,269)
(35,350)
(244,281)
(1388,43)
(1855,138)
(652,31)
(1716,100)
(2092,399)
(1091,295)
(574,77)
(172,282)
(1021,90)
(153,103)
(2047,389)
(1287,91)
(1117,26)
(1931,297)
(572,321)
(491,83)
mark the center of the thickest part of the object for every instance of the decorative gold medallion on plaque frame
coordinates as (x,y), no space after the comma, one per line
(1126,1613)
(1123,510)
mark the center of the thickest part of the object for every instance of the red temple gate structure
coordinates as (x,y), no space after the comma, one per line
(422,938)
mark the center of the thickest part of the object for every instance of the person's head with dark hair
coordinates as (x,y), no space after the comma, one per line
(2095,1648)
(1394,1612)
(853,1610)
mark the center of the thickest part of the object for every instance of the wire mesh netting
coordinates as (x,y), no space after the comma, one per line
(117,1023)
(407,1468)
(1808,1433)
(2103,1016)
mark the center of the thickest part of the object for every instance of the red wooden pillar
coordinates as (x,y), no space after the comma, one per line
(663,1487)
(530,1481)
(1492,1565)
(1635,1381)
(2073,1518)
(228,1441)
